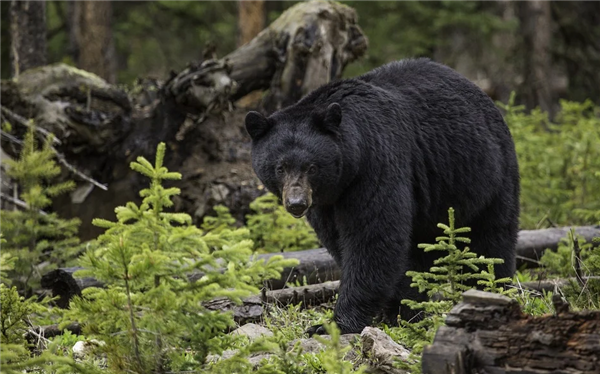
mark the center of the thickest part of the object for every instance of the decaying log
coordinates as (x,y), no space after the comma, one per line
(315,265)
(488,333)
(102,128)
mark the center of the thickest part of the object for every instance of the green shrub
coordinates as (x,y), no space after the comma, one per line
(558,162)
(273,229)
(150,315)
(270,227)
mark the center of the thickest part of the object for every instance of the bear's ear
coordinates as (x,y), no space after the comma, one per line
(330,121)
(256,124)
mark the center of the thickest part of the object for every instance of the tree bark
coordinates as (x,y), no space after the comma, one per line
(251,19)
(536,28)
(488,333)
(92,26)
(28,35)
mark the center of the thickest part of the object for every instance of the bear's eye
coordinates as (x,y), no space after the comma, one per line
(312,169)
(280,170)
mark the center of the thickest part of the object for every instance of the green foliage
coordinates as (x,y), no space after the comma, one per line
(577,259)
(152,314)
(447,278)
(270,227)
(273,229)
(425,28)
(33,236)
(7,262)
(558,162)
(16,315)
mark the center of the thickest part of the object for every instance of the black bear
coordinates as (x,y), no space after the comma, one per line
(376,161)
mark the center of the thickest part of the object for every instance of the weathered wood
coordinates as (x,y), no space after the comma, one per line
(317,265)
(488,333)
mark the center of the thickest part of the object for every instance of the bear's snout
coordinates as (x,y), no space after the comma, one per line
(296,205)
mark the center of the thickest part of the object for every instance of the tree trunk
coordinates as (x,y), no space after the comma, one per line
(92,25)
(28,35)
(536,28)
(251,19)
(487,333)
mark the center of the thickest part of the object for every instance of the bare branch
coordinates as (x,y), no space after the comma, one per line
(18,202)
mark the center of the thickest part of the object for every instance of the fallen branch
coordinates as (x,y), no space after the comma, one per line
(488,333)
(25,122)
(50,331)
(61,158)
(19,203)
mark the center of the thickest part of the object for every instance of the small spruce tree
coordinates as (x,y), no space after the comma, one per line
(33,236)
(150,314)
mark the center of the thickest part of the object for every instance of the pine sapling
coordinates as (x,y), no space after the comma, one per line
(32,235)
(153,318)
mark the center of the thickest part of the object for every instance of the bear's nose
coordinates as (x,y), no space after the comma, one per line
(296,206)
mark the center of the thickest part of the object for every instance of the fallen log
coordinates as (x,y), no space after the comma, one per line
(317,266)
(531,244)
(488,333)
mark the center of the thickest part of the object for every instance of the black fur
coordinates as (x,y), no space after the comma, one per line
(415,138)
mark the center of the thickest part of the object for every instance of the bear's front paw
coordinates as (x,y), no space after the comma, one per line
(316,329)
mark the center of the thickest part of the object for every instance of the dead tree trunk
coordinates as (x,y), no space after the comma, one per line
(28,35)
(487,333)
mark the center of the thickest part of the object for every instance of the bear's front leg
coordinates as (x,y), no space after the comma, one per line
(374,260)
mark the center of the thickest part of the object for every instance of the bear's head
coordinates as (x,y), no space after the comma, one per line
(297,155)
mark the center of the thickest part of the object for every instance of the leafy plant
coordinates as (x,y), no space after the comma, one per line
(153,318)
(32,235)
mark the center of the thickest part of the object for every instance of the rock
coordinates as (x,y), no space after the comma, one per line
(252,331)
(311,345)
(381,351)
